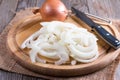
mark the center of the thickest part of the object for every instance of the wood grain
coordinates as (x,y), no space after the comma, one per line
(20,31)
(103,8)
(7,8)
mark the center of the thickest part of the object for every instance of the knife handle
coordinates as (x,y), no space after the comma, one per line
(106,36)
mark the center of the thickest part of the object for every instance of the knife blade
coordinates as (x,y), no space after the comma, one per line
(104,34)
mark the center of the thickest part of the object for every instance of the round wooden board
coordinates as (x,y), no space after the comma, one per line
(24,28)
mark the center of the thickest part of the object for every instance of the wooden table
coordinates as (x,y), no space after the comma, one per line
(102,8)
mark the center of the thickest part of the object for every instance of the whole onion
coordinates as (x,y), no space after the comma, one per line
(53,10)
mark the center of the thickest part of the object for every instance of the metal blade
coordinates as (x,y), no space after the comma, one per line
(82,16)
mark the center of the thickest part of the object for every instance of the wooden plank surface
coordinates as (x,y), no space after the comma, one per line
(6,12)
(102,8)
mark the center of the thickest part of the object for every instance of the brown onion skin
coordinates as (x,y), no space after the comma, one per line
(53,10)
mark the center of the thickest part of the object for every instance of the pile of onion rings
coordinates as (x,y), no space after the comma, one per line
(62,41)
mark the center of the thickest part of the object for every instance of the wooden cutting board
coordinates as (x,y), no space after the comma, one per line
(24,28)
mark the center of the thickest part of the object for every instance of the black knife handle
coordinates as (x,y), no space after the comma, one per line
(106,36)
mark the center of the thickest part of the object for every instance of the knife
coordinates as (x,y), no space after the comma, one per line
(105,35)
